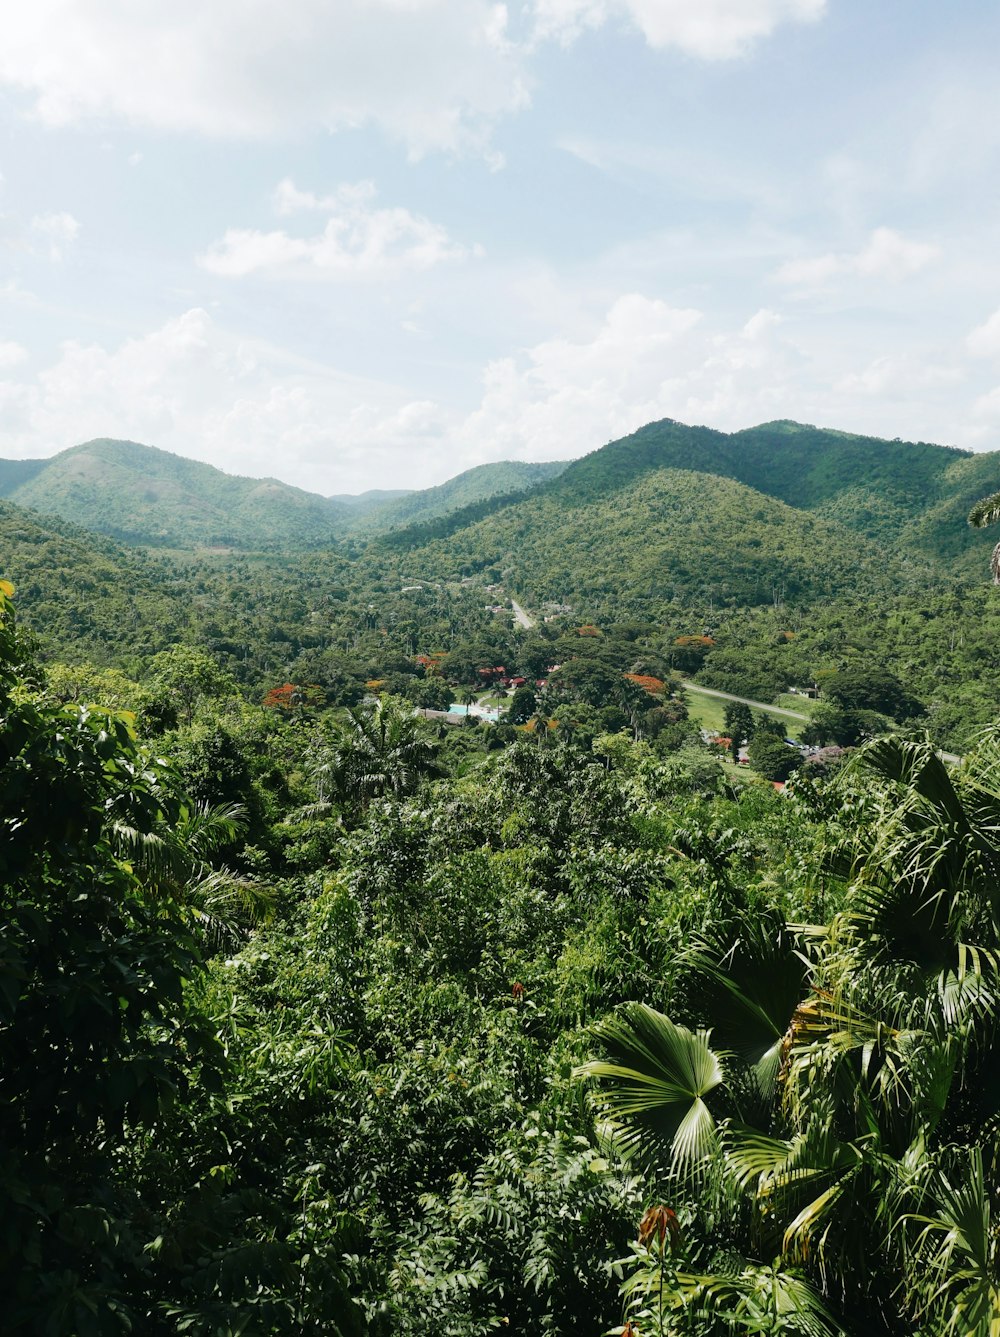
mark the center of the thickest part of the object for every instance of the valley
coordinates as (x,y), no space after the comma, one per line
(402,936)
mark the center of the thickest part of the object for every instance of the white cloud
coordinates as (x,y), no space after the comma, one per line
(563,397)
(55,232)
(898,377)
(984,340)
(11,354)
(710,29)
(359,240)
(433,73)
(246,407)
(887,255)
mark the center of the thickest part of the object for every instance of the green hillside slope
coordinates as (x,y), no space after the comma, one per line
(143,495)
(83,595)
(668,534)
(483,482)
(139,494)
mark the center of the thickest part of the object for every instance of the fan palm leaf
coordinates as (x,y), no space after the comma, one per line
(655,1083)
(749,978)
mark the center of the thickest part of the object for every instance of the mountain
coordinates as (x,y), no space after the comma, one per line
(363,503)
(914,496)
(668,534)
(780,510)
(139,494)
(910,498)
(482,483)
(142,495)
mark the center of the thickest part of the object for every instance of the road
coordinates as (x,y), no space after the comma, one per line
(520,616)
(949,757)
(745,701)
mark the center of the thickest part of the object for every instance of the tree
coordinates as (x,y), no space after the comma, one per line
(840,1107)
(586,680)
(522,706)
(188,675)
(739,724)
(872,689)
(382,752)
(96,1035)
(772,757)
(845,728)
(987,512)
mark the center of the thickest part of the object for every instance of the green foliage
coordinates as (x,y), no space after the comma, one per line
(852,1114)
(407,930)
(96,1039)
(142,495)
(484,482)
(871,690)
(772,758)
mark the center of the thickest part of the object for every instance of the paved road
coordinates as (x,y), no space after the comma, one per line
(520,616)
(745,701)
(949,757)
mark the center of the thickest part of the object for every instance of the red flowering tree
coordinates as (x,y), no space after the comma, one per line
(292,698)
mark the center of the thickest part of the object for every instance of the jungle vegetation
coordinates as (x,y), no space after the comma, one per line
(321,1014)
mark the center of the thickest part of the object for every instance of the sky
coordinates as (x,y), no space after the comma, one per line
(363,244)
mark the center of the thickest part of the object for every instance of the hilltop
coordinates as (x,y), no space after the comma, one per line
(142,495)
(677,512)
(139,494)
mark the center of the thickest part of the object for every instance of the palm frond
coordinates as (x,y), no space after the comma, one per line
(750,981)
(986,511)
(756,1300)
(655,1083)
(953,1264)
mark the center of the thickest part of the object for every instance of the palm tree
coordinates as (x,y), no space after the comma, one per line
(173,859)
(467,696)
(987,512)
(381,753)
(836,1113)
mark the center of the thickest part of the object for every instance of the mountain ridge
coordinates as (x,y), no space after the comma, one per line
(146,496)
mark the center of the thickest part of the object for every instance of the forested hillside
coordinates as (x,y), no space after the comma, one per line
(669,535)
(342,1022)
(325,1007)
(145,496)
(141,495)
(468,488)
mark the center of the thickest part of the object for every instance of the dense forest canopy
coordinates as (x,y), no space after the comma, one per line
(327,1008)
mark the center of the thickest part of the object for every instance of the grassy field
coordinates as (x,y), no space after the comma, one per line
(802,704)
(709,711)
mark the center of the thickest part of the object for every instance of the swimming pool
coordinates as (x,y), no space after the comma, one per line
(483,712)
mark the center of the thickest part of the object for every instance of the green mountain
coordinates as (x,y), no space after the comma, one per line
(139,494)
(674,511)
(912,495)
(483,483)
(666,534)
(363,503)
(143,495)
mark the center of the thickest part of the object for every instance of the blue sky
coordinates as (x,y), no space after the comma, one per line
(370,243)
